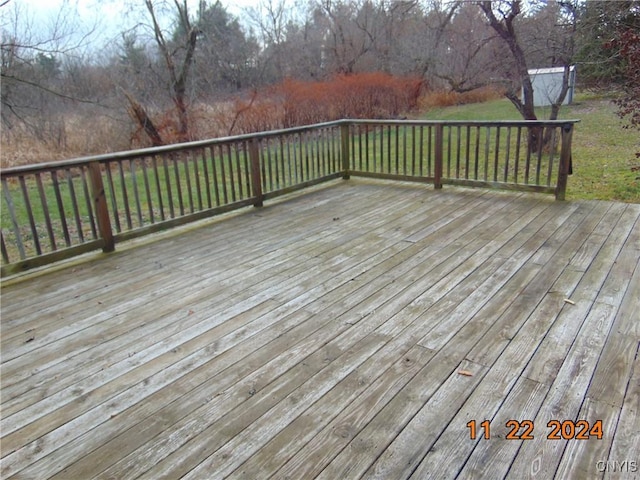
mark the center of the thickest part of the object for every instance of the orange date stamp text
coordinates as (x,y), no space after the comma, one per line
(524,430)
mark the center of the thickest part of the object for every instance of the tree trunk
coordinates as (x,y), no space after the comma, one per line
(550,138)
(178,76)
(139,114)
(505,28)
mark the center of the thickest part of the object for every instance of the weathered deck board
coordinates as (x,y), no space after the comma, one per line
(348,331)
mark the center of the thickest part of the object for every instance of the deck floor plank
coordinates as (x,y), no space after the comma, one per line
(626,441)
(340,307)
(575,362)
(350,330)
(104,336)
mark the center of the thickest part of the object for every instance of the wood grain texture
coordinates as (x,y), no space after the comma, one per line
(350,331)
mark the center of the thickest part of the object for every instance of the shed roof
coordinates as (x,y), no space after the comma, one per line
(538,71)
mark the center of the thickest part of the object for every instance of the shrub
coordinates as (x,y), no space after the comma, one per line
(363,95)
(296,102)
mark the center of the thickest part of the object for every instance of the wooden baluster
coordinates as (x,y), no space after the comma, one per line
(496,157)
(197,176)
(344,134)
(63,216)
(156,174)
(186,159)
(175,158)
(507,154)
(125,194)
(114,201)
(552,150)
(228,177)
(136,193)
(32,222)
(256,180)
(437,180)
(3,248)
(448,151)
(516,166)
(458,149)
(467,153)
(14,218)
(74,205)
(45,211)
(88,202)
(486,153)
(147,189)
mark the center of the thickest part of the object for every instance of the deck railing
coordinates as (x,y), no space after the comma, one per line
(56,210)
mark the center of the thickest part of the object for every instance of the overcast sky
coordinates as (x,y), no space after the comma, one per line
(109,17)
(110,11)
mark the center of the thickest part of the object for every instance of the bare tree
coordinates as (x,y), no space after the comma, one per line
(469,61)
(344,43)
(502,17)
(394,29)
(31,62)
(304,56)
(557,43)
(178,60)
(271,18)
(436,20)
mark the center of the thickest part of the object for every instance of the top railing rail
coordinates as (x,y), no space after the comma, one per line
(55,210)
(161,150)
(177,147)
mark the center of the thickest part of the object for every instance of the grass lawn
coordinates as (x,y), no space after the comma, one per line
(603,151)
(139,194)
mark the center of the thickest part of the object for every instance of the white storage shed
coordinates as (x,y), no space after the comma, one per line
(547,84)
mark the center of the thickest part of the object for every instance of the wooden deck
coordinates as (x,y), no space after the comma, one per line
(353,330)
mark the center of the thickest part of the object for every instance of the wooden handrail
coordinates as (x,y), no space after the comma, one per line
(53,211)
(177,147)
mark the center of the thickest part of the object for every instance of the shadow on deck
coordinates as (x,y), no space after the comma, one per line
(358,329)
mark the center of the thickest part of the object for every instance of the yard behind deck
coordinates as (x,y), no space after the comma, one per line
(351,330)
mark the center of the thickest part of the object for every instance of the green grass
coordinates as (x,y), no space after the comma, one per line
(173,189)
(174,183)
(603,151)
(603,161)
(480,154)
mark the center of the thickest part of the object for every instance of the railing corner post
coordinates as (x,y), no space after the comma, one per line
(439,145)
(101,208)
(256,175)
(564,166)
(344,134)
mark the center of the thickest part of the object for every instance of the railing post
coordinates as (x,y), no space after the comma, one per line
(564,168)
(437,180)
(344,134)
(100,205)
(256,173)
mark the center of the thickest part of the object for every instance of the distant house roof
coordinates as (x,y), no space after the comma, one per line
(538,71)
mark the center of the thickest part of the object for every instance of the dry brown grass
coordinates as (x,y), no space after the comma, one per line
(76,136)
(290,103)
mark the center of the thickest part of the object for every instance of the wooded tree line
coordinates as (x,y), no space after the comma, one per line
(176,70)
